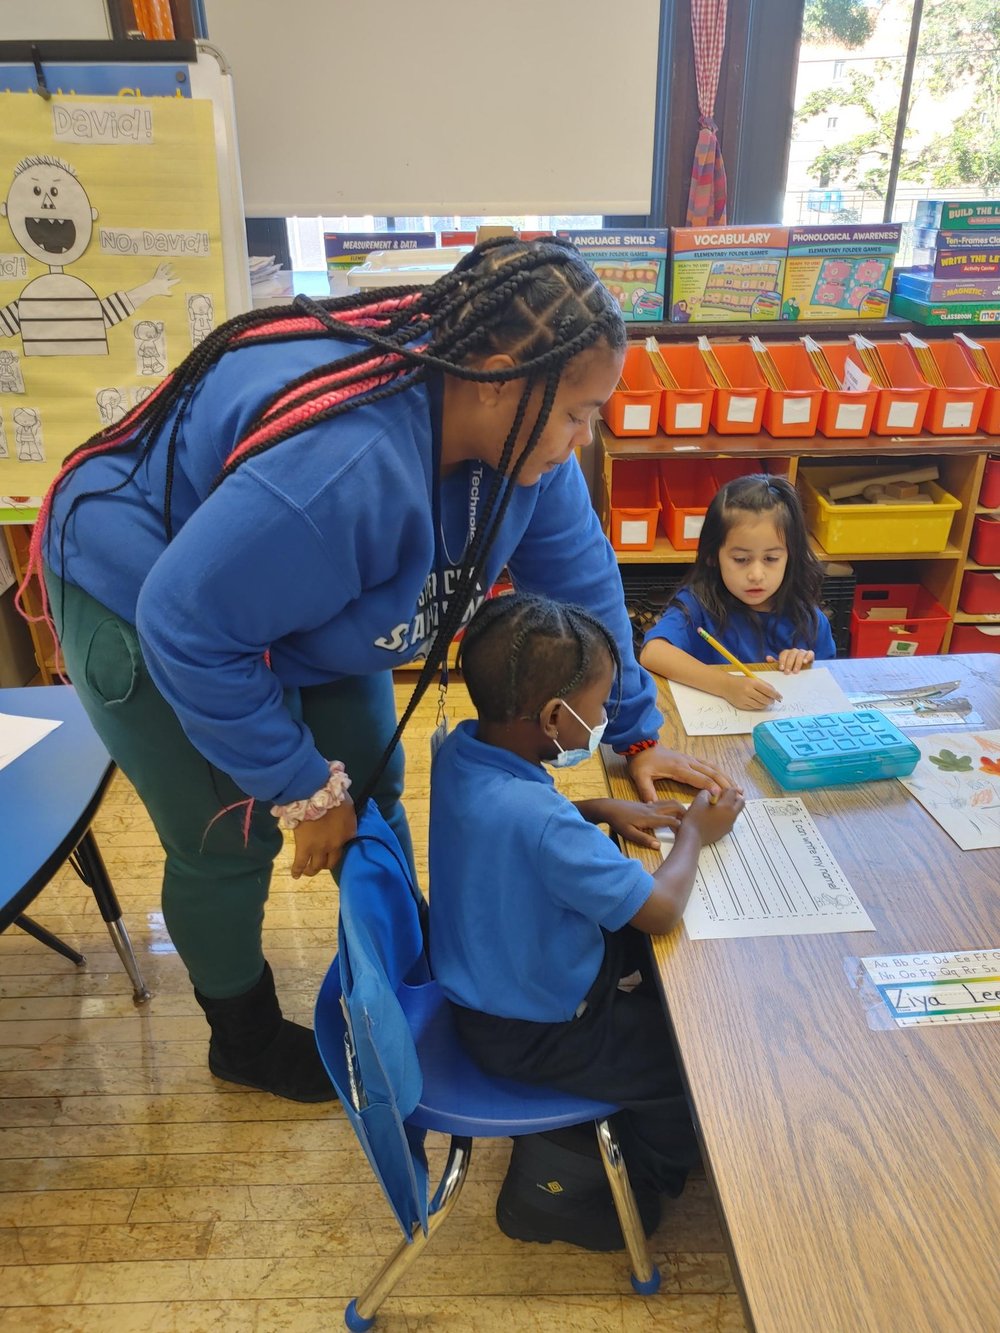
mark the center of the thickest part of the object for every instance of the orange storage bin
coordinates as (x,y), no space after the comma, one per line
(686,491)
(687,409)
(918,633)
(955,409)
(989,491)
(989,422)
(687,488)
(975,639)
(980,595)
(635,410)
(844,415)
(740,409)
(793,412)
(634,504)
(901,409)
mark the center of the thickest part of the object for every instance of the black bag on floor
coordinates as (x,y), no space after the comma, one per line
(556,1189)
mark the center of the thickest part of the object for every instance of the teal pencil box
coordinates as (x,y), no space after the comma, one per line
(832,749)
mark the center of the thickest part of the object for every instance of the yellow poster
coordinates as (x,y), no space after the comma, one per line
(111,265)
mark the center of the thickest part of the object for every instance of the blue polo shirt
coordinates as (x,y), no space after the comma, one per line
(752,636)
(520,885)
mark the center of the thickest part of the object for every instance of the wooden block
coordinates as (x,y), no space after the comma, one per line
(874,493)
(902,489)
(841,489)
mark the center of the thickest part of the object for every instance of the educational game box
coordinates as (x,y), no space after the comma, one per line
(955,312)
(949,262)
(349,249)
(631,264)
(919,285)
(957,215)
(726,273)
(840,271)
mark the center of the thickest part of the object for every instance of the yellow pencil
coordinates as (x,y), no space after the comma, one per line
(726,654)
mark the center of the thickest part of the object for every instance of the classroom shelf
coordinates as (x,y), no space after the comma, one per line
(961,461)
(965,618)
(772,330)
(714,445)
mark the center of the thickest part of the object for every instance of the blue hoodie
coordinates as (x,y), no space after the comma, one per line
(322,551)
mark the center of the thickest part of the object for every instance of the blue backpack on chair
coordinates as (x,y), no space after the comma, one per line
(385,1033)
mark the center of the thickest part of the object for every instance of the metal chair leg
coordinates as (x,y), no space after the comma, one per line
(89,865)
(360,1314)
(51,941)
(645,1274)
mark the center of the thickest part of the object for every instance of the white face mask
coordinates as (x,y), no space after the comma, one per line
(569,758)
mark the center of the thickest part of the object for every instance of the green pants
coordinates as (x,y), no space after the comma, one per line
(214,884)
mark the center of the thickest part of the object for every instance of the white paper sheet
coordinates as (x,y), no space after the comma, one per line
(18,734)
(813,691)
(772,875)
(957,781)
(924,988)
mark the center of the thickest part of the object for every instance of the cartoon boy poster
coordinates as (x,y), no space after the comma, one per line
(109,215)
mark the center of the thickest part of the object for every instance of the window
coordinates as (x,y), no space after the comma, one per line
(831,122)
(839,66)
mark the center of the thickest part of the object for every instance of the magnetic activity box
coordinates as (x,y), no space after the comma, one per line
(840,272)
(833,749)
(726,273)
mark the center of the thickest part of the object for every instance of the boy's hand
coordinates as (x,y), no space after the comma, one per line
(714,821)
(792,660)
(742,692)
(635,820)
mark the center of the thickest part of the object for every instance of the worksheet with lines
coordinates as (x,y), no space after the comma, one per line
(772,875)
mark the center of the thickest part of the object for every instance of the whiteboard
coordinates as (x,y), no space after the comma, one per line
(442,106)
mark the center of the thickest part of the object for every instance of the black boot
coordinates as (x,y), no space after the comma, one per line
(556,1189)
(253,1045)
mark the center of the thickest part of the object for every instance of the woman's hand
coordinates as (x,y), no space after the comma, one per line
(319,843)
(714,821)
(792,660)
(744,692)
(635,821)
(657,762)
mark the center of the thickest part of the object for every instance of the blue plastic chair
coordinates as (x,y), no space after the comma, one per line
(386,1036)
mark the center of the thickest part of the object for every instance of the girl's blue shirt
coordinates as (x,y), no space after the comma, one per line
(751,636)
(321,552)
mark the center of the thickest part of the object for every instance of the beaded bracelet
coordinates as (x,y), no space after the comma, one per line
(330,795)
(638,747)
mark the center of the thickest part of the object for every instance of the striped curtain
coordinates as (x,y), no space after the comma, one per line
(707,196)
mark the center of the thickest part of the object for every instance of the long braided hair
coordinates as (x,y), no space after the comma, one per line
(521,650)
(536,301)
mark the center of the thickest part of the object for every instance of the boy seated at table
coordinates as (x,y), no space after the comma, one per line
(537,919)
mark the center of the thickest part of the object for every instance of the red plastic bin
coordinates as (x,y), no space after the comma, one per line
(989,492)
(975,639)
(687,488)
(634,505)
(985,545)
(980,595)
(919,633)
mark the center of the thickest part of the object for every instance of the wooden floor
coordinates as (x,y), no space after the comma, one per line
(140,1195)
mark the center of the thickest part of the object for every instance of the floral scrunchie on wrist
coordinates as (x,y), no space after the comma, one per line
(330,795)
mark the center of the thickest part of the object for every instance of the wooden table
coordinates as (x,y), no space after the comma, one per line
(858,1170)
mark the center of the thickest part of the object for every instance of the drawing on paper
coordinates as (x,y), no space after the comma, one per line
(201,317)
(957,781)
(808,693)
(58,314)
(111,405)
(28,435)
(11,379)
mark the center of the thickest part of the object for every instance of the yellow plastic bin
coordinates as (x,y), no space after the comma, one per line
(870,529)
